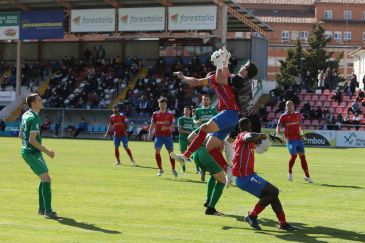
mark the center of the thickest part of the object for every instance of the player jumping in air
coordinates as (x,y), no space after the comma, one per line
(291,121)
(226,120)
(249,181)
(119,122)
(185,125)
(32,149)
(162,123)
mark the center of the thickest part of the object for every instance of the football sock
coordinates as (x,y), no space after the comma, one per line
(304,165)
(172,161)
(211,185)
(183,168)
(47,196)
(158,160)
(218,157)
(129,153)
(291,162)
(281,218)
(40,195)
(256,210)
(216,194)
(195,144)
(116,151)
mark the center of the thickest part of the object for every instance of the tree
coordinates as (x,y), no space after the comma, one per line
(314,58)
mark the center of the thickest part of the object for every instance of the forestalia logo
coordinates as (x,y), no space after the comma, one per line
(124,19)
(174,18)
(76,20)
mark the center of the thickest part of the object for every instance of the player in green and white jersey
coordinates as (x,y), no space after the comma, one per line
(204,113)
(185,125)
(32,149)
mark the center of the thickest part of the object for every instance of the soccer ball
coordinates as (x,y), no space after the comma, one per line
(264,146)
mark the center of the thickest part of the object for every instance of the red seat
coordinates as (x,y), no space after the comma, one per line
(346,98)
(311,128)
(311,103)
(306,122)
(271,115)
(315,122)
(327,104)
(307,97)
(323,98)
(300,96)
(326,91)
(315,97)
(319,103)
(362,129)
(334,104)
(344,129)
(331,109)
(268,108)
(339,110)
(343,104)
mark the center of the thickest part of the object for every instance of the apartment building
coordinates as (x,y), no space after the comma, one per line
(343,20)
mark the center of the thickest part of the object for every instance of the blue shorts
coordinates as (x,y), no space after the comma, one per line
(295,146)
(227,121)
(117,140)
(252,184)
(167,141)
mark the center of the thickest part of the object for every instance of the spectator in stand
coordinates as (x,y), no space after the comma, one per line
(328,78)
(45,124)
(306,110)
(321,77)
(346,120)
(2,125)
(318,113)
(263,114)
(101,53)
(298,83)
(349,89)
(307,79)
(355,108)
(58,123)
(143,131)
(81,127)
(338,95)
(356,121)
(335,80)
(281,107)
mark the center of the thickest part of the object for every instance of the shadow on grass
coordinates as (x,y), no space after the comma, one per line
(342,186)
(86,226)
(305,233)
(145,167)
(185,180)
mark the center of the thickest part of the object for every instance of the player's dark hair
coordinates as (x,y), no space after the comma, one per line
(243,124)
(251,70)
(187,107)
(206,95)
(115,106)
(30,99)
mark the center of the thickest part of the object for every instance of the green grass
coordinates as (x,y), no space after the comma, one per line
(105,203)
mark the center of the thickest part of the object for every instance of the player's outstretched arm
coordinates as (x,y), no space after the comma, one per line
(151,132)
(191,80)
(33,141)
(254,137)
(107,131)
(20,132)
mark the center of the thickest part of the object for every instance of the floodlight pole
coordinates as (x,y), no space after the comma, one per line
(18,67)
(222,19)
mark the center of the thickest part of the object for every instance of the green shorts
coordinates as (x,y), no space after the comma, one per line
(183,144)
(203,159)
(36,162)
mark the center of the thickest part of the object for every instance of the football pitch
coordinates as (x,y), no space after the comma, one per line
(100,202)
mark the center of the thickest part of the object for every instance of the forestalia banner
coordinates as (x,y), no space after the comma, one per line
(193,18)
(141,19)
(9,26)
(93,20)
(47,24)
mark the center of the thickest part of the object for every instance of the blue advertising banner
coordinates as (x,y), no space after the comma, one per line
(48,24)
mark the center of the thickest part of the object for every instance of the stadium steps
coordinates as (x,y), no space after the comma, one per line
(41,91)
(132,84)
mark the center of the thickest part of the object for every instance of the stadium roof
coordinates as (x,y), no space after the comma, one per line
(239,19)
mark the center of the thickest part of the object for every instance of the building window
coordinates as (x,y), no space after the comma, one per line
(363,15)
(347,14)
(347,36)
(284,35)
(304,35)
(328,34)
(337,36)
(363,36)
(328,14)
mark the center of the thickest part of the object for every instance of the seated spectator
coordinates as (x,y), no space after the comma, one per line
(81,127)
(2,125)
(346,120)
(70,130)
(349,89)
(318,113)
(281,107)
(46,124)
(143,131)
(306,110)
(355,108)
(263,113)
(338,96)
(356,121)
(131,129)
